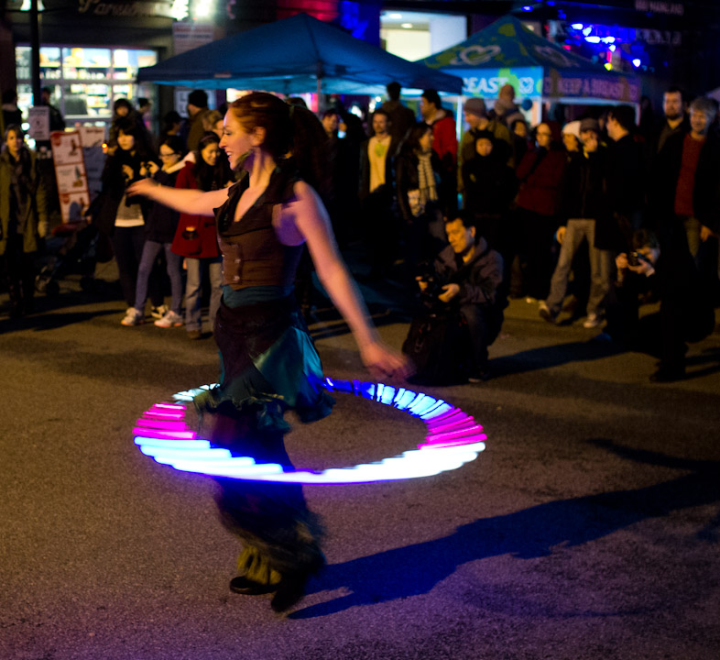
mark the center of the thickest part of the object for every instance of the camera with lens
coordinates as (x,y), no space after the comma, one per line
(427,273)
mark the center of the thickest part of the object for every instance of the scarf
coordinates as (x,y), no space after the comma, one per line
(426,179)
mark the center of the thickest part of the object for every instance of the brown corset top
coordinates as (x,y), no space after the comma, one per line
(252,253)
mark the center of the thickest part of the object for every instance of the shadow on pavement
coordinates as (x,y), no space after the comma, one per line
(553,356)
(527,534)
(42,322)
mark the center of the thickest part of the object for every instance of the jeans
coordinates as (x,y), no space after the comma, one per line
(193,290)
(128,244)
(174,271)
(601,264)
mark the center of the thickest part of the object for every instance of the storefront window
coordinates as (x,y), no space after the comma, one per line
(83,80)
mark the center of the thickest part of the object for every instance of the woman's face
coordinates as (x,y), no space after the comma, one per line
(543,135)
(426,141)
(14,143)
(168,156)
(571,142)
(235,142)
(210,153)
(125,142)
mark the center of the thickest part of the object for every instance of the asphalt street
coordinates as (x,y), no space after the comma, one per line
(588,529)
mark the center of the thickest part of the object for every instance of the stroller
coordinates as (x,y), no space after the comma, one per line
(75,248)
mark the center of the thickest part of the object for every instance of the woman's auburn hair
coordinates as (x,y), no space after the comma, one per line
(289,130)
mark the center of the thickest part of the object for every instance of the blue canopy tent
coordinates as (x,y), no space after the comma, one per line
(508,52)
(297,55)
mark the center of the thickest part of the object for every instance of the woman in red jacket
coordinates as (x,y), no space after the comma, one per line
(539,174)
(195,238)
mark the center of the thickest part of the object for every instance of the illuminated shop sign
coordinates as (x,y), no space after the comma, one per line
(135,8)
(660,7)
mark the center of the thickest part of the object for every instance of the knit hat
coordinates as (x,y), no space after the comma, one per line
(484,135)
(590,124)
(198,98)
(573,128)
(475,107)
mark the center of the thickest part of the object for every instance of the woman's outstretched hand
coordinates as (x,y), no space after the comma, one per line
(143,187)
(384,362)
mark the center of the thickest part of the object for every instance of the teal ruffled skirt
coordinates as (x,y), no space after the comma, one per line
(268,365)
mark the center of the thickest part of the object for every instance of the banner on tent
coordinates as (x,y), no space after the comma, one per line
(486,83)
(617,88)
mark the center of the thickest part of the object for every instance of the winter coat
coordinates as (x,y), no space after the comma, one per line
(706,195)
(104,208)
(540,175)
(584,187)
(407,178)
(502,147)
(445,142)
(489,184)
(402,119)
(196,235)
(480,278)
(36,220)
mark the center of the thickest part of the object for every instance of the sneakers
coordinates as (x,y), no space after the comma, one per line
(546,312)
(592,321)
(479,377)
(170,320)
(159,312)
(133,317)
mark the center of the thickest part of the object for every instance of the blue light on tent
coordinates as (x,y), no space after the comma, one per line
(612,48)
(593,40)
(527,8)
(609,40)
(636,63)
(587,30)
(577,26)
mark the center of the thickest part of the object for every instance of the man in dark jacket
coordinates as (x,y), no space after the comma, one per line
(625,174)
(474,275)
(583,204)
(684,200)
(402,119)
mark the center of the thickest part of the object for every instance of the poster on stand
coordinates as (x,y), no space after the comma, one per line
(73,206)
(66,148)
(39,120)
(70,175)
(92,139)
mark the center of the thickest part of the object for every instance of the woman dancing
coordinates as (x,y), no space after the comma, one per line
(269,363)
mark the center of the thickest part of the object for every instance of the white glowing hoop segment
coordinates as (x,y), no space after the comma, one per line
(453,438)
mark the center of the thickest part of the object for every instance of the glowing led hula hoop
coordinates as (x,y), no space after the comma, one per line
(453,439)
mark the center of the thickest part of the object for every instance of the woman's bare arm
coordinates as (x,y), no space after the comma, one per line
(311,219)
(194,202)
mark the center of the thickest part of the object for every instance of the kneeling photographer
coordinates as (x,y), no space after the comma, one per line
(466,313)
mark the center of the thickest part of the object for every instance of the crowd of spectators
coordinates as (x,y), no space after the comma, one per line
(593,216)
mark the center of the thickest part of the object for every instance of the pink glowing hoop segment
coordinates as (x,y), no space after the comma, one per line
(453,438)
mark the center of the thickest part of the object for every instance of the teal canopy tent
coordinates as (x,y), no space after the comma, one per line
(508,52)
(293,56)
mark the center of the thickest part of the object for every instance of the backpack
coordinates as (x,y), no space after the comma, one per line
(439,347)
